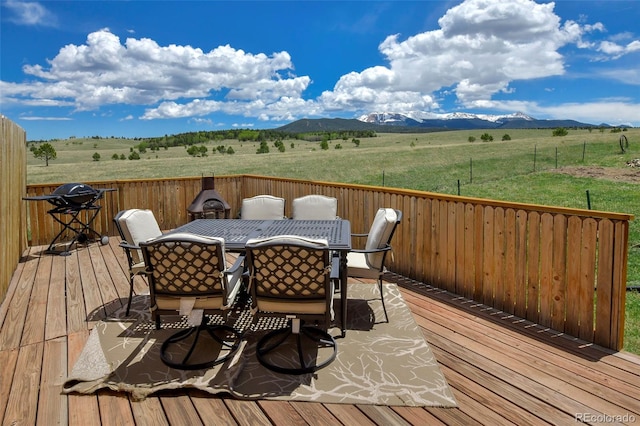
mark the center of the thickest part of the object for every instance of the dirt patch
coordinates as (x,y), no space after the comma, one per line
(627,174)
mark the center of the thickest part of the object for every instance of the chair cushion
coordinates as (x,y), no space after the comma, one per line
(312,307)
(173,303)
(138,268)
(315,207)
(262,207)
(383,225)
(138,226)
(300,307)
(358,267)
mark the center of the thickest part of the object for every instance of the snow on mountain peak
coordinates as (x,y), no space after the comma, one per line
(420,116)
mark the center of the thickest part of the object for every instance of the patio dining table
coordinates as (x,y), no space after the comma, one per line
(236,233)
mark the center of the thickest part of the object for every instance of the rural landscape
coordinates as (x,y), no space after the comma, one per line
(587,168)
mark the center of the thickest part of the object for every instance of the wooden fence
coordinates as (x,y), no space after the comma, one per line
(561,268)
(13,181)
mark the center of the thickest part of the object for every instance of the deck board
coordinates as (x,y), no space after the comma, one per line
(502,370)
(541,377)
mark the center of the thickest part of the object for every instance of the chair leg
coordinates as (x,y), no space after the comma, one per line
(227,337)
(130,293)
(384,308)
(276,338)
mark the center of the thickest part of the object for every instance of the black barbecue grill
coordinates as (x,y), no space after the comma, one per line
(69,201)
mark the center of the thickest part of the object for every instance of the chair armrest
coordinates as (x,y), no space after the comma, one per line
(238,264)
(235,281)
(378,250)
(126,245)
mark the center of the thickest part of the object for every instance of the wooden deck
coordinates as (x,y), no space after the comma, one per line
(503,370)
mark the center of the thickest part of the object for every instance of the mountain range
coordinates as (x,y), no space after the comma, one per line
(391,122)
(465,120)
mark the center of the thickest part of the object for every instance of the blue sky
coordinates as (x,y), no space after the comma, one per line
(149,68)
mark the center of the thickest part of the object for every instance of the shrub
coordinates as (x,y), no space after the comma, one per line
(486,137)
(472,139)
(263,149)
(280,145)
(560,131)
(197,151)
(506,137)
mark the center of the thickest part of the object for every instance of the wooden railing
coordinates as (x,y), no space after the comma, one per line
(13,180)
(561,268)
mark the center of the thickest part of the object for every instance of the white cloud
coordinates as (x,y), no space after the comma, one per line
(29,13)
(36,118)
(205,121)
(481,46)
(610,112)
(616,51)
(627,76)
(104,71)
(479,50)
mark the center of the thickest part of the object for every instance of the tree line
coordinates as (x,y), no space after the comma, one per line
(248,135)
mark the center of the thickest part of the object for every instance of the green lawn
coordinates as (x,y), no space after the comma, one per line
(526,168)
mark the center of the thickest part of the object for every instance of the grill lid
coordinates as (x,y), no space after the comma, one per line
(77,193)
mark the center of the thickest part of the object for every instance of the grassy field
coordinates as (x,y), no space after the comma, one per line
(532,167)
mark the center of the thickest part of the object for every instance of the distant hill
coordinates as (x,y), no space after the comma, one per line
(307,125)
(416,122)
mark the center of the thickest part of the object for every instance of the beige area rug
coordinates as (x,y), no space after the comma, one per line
(377,363)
